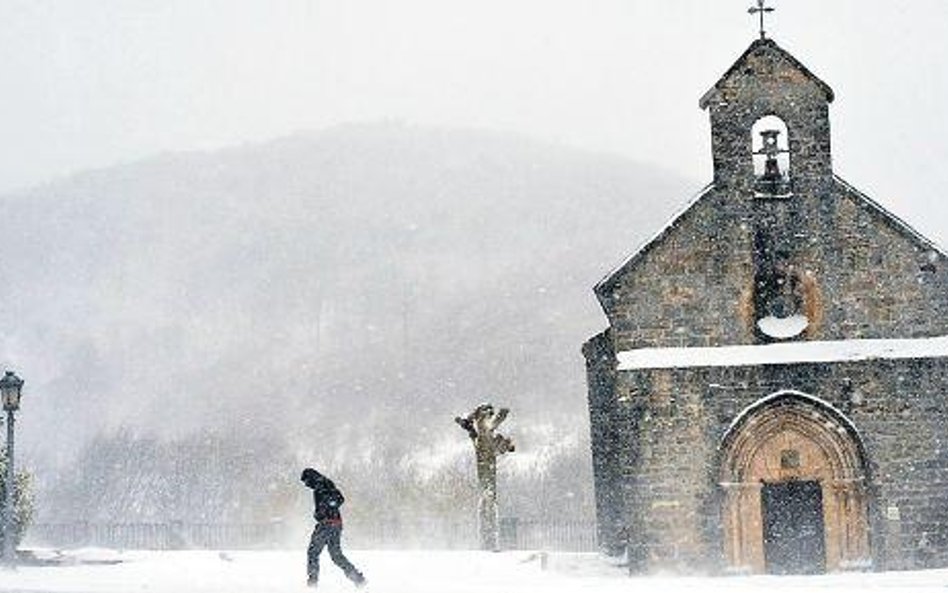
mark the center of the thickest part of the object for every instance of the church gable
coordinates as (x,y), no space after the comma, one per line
(767,65)
(606,287)
(687,285)
(770,130)
(876,214)
(881,278)
(859,273)
(777,248)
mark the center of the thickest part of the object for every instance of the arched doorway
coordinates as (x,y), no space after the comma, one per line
(795,488)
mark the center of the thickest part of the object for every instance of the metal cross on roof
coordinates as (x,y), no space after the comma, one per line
(761,9)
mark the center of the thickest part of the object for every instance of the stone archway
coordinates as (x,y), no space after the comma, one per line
(792,439)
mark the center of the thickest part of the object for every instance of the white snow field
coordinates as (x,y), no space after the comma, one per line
(96,571)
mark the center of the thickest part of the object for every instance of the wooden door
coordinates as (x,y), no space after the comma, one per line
(794,535)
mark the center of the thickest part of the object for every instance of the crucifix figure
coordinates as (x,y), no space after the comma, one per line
(761,9)
(488,445)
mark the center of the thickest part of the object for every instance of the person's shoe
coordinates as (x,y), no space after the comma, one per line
(311,583)
(358,580)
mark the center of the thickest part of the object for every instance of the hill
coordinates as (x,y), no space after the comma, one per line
(333,298)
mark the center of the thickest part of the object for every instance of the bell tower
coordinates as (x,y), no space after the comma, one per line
(770,100)
(770,138)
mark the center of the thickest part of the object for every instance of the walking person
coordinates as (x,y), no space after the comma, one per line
(328,530)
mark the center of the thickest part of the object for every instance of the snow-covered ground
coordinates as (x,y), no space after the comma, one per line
(104,571)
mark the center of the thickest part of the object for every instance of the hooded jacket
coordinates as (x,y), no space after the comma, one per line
(326,497)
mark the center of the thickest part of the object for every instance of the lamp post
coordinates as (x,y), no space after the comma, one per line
(10,386)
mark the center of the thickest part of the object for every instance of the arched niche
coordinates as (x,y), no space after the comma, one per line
(770,140)
(787,442)
(786,300)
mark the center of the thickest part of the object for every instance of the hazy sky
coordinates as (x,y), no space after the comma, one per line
(95,82)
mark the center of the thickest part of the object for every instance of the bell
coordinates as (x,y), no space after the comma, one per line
(772,181)
(772,178)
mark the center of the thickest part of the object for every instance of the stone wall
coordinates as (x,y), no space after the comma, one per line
(898,407)
(857,272)
(767,81)
(607,442)
(863,273)
(871,277)
(879,279)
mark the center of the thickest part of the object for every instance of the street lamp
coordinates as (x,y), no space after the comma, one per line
(10,386)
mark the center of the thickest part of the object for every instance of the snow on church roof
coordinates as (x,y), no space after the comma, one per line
(783,353)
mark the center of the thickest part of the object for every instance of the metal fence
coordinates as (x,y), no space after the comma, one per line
(516,534)
(156,536)
(415,533)
(561,536)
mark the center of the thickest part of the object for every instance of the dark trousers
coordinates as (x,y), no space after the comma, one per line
(329,536)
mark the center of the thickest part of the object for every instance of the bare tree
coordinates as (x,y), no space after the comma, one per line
(480,426)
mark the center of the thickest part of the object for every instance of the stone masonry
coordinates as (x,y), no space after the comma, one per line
(846,266)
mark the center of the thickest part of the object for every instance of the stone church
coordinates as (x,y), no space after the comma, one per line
(771,393)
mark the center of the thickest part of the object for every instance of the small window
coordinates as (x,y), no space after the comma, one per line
(771,146)
(789,459)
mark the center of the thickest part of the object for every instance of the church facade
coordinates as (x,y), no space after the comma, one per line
(771,394)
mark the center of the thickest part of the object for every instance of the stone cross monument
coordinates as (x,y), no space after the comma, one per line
(480,426)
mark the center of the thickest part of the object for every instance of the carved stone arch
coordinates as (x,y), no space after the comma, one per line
(792,438)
